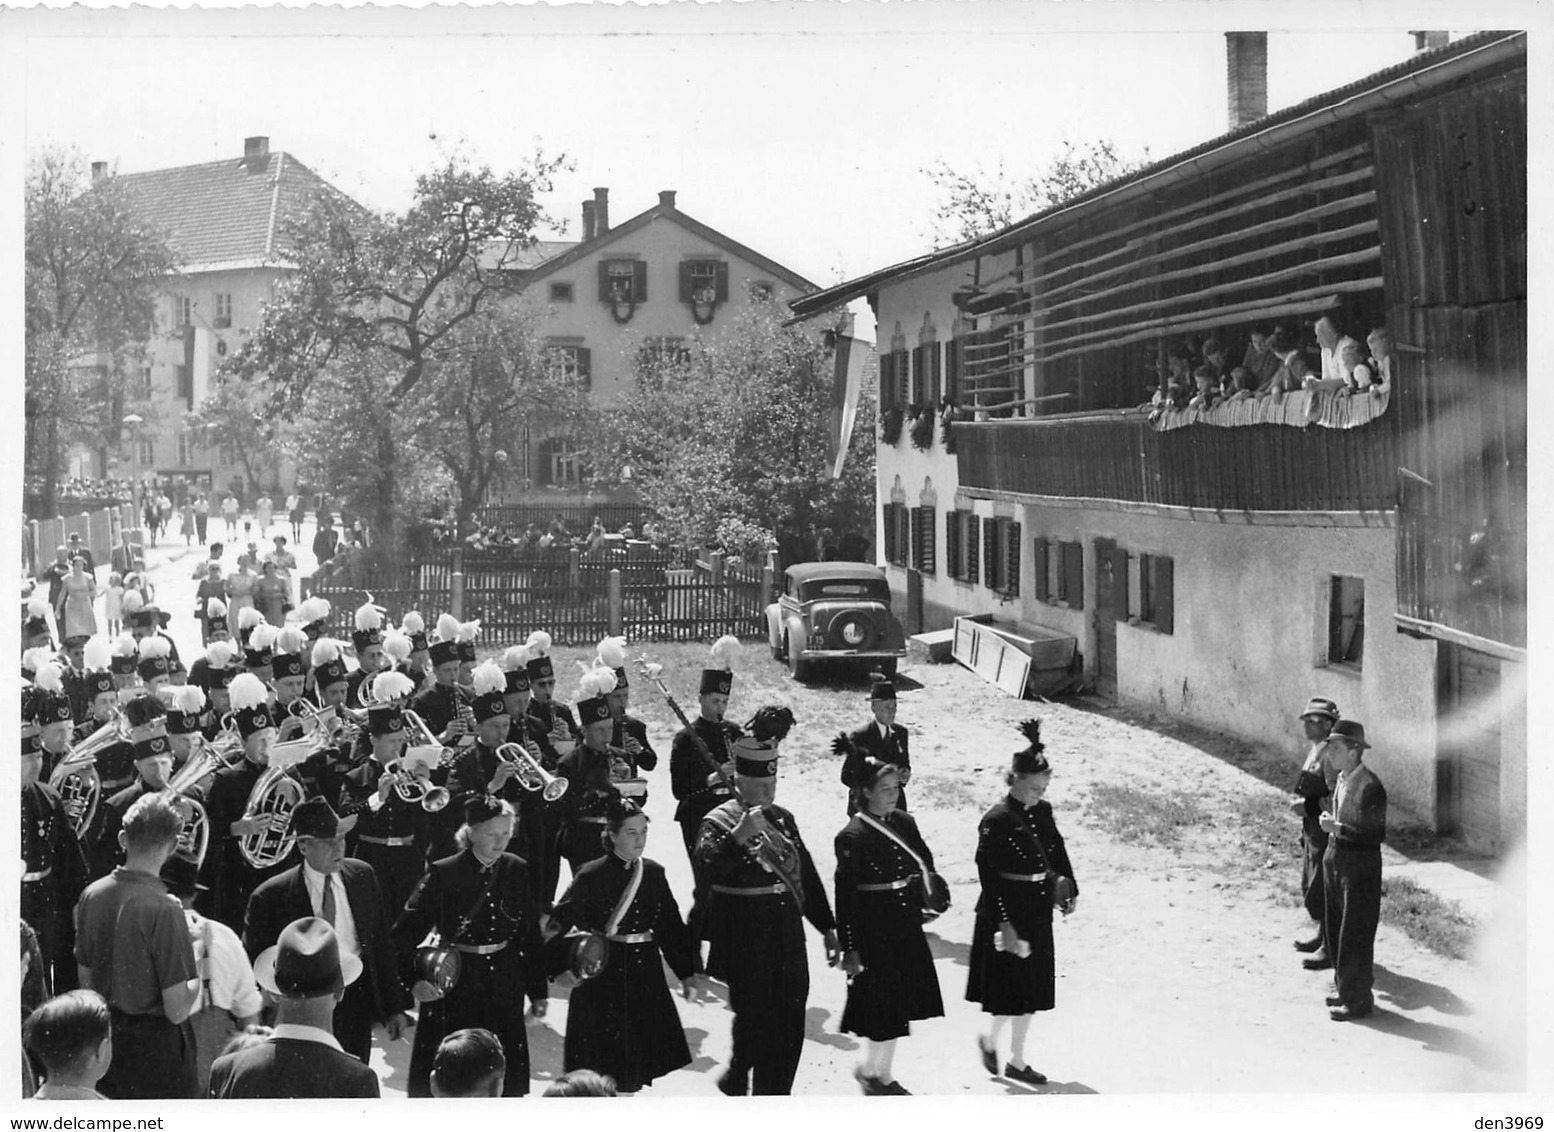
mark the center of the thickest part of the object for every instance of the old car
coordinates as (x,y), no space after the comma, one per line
(832,611)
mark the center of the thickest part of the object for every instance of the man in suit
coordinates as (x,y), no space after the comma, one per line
(1313,788)
(344,893)
(884,739)
(1351,871)
(307,973)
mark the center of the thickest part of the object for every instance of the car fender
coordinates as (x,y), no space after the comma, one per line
(774,625)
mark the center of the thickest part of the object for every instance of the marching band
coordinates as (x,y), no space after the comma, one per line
(423,803)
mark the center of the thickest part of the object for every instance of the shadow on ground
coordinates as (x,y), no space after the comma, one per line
(1408,993)
(1435,1037)
(815,1030)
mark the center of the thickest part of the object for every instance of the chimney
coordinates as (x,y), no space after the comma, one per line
(1246,76)
(666,198)
(601,211)
(256,147)
(1429,40)
(588,220)
(99,170)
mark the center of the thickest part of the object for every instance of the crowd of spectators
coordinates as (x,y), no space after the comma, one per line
(1277,360)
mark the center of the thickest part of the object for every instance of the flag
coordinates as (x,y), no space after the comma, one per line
(845,389)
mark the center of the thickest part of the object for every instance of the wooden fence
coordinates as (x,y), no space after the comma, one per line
(99,531)
(579,517)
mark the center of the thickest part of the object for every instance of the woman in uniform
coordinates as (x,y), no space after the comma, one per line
(623,1021)
(480,904)
(1024,871)
(880,862)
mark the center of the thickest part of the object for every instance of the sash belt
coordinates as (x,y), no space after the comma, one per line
(892,886)
(42,874)
(763,890)
(1024,876)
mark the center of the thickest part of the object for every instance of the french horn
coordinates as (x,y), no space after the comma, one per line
(275,796)
(76,777)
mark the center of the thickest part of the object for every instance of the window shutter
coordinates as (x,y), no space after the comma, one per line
(952,369)
(1119,583)
(722,282)
(1074,573)
(923,539)
(919,377)
(685,281)
(903,534)
(887,381)
(952,565)
(889,523)
(1165,615)
(935,372)
(639,281)
(973,547)
(990,553)
(585,366)
(604,280)
(1039,561)
(1012,577)
(915,541)
(903,377)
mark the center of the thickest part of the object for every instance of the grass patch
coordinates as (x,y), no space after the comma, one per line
(940,792)
(1427,919)
(1135,816)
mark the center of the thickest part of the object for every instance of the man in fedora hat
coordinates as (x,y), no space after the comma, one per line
(1351,870)
(1313,787)
(307,973)
(883,739)
(344,893)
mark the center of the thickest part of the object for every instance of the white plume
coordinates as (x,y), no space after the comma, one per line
(325,651)
(612,652)
(221,654)
(247,691)
(249,618)
(37,606)
(596,682)
(97,654)
(468,631)
(290,639)
(187,698)
(215,607)
(125,645)
(488,678)
(447,627)
(262,637)
(397,646)
(155,648)
(538,644)
(49,676)
(133,602)
(313,609)
(515,658)
(412,623)
(724,651)
(389,686)
(368,617)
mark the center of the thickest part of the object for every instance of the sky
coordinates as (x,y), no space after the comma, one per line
(799,130)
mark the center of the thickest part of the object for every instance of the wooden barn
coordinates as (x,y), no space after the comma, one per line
(1225,562)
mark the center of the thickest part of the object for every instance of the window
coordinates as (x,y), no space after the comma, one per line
(185,450)
(927,373)
(223,312)
(183,311)
(1060,573)
(761,291)
(898,534)
(185,383)
(145,382)
(663,351)
(559,462)
(227,456)
(622,281)
(572,361)
(147,454)
(962,545)
(703,281)
(1156,596)
(923,539)
(561,292)
(1346,621)
(1001,556)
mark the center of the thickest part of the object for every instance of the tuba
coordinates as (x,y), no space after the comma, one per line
(76,777)
(531,775)
(275,794)
(205,762)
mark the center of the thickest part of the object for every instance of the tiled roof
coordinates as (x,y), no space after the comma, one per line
(228,211)
(526,259)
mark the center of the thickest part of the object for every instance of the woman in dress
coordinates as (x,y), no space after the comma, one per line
(1024,871)
(479,902)
(879,918)
(623,1020)
(272,595)
(77,593)
(240,591)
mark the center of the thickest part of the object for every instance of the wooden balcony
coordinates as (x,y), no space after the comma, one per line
(1123,459)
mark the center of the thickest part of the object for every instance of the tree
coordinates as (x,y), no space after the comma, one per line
(390,293)
(94,267)
(234,415)
(727,442)
(977,203)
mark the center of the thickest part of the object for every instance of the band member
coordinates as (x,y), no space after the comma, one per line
(53,867)
(761,886)
(126,655)
(442,706)
(331,680)
(464,649)
(51,709)
(515,694)
(153,755)
(289,678)
(35,627)
(345,894)
(72,662)
(884,739)
(556,733)
(628,735)
(393,834)
(185,705)
(98,696)
(367,640)
(1352,871)
(221,653)
(623,1021)
(693,776)
(413,625)
(479,903)
(259,653)
(585,806)
(230,877)
(145,621)
(313,616)
(1313,787)
(397,648)
(154,667)
(1024,871)
(133,948)
(248,619)
(881,864)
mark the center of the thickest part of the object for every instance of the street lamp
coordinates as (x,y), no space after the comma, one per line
(134,421)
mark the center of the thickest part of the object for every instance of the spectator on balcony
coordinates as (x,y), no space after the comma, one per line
(1240,385)
(1334,343)
(1208,387)
(1260,360)
(1380,365)
(1216,358)
(1292,370)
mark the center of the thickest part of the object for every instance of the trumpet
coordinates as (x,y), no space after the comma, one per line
(412,787)
(321,726)
(275,795)
(531,775)
(76,777)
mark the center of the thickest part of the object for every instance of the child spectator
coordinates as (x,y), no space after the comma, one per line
(1215,357)
(71,1036)
(469,1063)
(1292,370)
(1240,385)
(1208,387)
(582,1083)
(113,605)
(1380,365)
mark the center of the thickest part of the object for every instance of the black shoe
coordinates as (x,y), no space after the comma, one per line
(1309,945)
(1349,1013)
(872,1086)
(1318,962)
(1025,1075)
(1334,1000)
(732,1084)
(989,1056)
(896,1089)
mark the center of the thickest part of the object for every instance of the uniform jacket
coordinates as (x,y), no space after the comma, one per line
(689,767)
(868,742)
(545,717)
(1006,843)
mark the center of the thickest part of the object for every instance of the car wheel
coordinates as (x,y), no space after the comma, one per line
(799,667)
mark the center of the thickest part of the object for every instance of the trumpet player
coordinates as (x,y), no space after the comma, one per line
(367,640)
(556,733)
(153,755)
(289,679)
(53,867)
(392,833)
(480,770)
(230,877)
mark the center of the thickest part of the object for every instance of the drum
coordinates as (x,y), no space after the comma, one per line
(437,965)
(588,955)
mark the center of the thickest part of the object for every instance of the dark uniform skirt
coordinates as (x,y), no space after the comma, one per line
(623,1022)
(899,984)
(1004,984)
(490,995)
